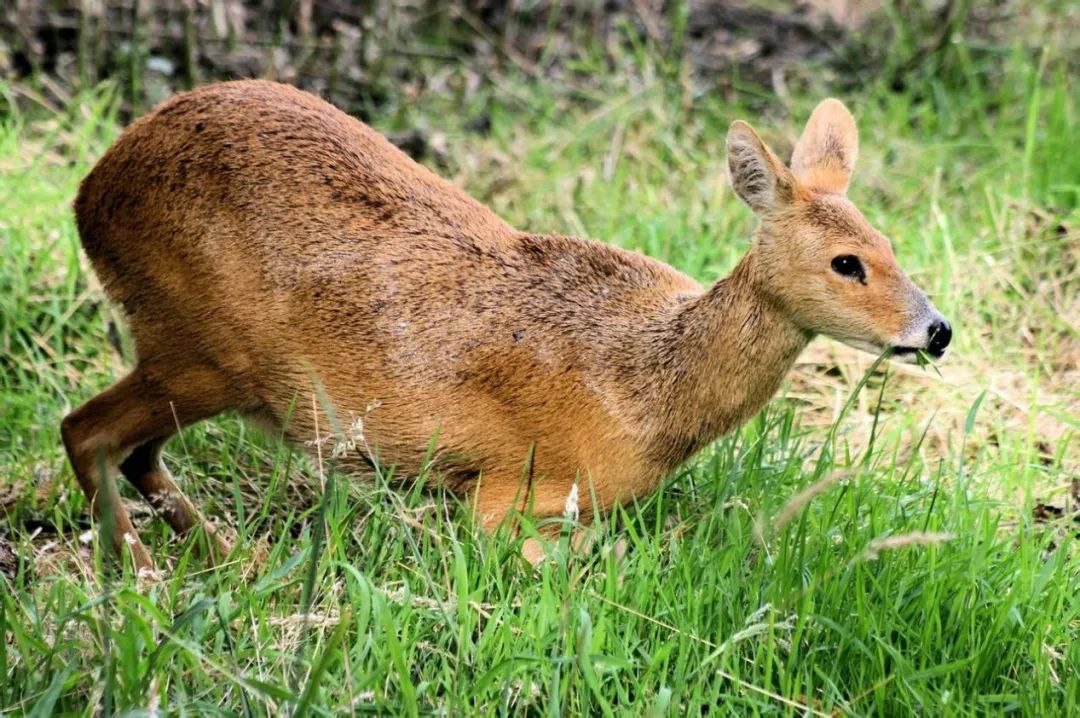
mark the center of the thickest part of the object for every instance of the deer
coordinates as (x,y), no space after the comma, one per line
(267,248)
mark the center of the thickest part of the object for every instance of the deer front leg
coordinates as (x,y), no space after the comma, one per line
(495,500)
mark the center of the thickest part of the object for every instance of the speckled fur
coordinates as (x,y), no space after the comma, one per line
(257,237)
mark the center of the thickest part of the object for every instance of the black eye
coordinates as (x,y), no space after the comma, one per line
(849,266)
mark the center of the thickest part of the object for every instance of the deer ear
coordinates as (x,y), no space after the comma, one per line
(825,155)
(758,177)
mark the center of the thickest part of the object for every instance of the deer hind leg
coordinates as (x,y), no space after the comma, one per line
(133,417)
(147,472)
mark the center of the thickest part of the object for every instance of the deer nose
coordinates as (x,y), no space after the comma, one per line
(940,336)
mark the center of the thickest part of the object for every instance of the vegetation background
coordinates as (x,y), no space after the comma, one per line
(881,540)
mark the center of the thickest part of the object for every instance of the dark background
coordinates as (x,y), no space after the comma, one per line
(367,56)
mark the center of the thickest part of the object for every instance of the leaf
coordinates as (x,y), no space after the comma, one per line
(969,422)
(45,704)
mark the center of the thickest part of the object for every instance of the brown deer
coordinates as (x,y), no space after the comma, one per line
(266,247)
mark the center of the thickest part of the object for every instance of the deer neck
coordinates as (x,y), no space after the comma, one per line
(728,350)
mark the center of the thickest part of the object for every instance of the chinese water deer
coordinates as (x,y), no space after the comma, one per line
(262,243)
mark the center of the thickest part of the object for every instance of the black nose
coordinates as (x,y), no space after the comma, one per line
(940,336)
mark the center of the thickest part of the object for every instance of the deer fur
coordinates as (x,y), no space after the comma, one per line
(266,247)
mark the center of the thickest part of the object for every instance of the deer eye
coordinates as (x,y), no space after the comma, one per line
(849,265)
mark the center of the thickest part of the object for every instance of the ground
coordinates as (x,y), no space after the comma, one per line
(890,542)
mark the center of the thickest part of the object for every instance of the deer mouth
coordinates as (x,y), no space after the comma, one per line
(911,354)
(902,353)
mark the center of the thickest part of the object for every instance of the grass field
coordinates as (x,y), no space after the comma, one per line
(927,571)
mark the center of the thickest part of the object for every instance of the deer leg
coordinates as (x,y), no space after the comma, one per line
(149,404)
(147,472)
(493,501)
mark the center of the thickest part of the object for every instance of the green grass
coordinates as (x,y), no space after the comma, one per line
(696,597)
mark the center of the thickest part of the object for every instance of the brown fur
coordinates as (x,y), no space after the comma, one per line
(258,238)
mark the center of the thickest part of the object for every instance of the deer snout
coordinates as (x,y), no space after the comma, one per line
(931,335)
(938,337)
